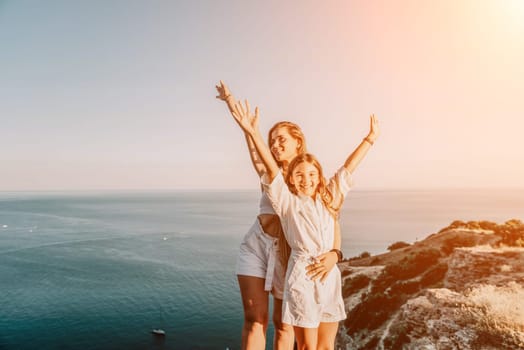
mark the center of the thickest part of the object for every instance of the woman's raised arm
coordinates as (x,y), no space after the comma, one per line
(225,95)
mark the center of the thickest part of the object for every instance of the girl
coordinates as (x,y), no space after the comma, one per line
(262,256)
(307,207)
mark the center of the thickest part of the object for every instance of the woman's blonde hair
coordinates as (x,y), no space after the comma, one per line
(293,130)
(328,199)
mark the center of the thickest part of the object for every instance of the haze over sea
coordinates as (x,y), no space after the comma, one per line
(93,270)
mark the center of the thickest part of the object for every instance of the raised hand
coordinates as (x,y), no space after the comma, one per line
(374,129)
(244,118)
(249,123)
(223,91)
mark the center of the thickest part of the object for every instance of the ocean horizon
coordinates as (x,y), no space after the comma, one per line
(101,269)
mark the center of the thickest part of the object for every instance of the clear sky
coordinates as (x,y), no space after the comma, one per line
(120,94)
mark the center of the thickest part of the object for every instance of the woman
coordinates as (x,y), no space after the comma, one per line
(308,206)
(262,257)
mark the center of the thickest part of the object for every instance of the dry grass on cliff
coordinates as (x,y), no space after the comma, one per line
(484,256)
(504,303)
(497,314)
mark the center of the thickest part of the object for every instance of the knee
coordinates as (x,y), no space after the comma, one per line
(307,346)
(255,327)
(256,320)
(325,346)
(281,327)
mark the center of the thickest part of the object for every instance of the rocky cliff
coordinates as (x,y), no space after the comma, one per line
(461,288)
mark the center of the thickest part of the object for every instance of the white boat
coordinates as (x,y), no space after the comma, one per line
(160,332)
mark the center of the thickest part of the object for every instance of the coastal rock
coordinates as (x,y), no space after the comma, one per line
(484,265)
(457,289)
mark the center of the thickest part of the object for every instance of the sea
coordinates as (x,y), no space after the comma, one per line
(101,270)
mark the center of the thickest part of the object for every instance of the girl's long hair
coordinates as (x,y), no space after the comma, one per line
(328,199)
(295,132)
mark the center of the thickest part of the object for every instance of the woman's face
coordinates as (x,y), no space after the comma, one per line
(283,146)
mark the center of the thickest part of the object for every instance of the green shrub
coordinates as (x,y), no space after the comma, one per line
(345,273)
(397,338)
(377,306)
(405,287)
(413,265)
(355,284)
(364,255)
(462,240)
(372,312)
(474,225)
(398,245)
(434,275)
(371,344)
(487,225)
(453,225)
(511,233)
(514,223)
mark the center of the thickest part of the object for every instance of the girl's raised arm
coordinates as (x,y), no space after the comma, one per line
(362,149)
(249,124)
(326,261)
(225,95)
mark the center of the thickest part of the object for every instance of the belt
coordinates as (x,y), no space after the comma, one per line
(270,271)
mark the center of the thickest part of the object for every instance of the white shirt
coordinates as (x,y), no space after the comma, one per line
(310,230)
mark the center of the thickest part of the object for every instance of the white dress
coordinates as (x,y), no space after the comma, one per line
(310,230)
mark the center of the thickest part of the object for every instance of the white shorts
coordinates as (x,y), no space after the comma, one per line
(307,303)
(258,257)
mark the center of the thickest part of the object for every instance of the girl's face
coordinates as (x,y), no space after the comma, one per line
(283,146)
(305,177)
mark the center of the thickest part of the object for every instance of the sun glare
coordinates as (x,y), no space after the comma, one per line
(514,11)
(507,15)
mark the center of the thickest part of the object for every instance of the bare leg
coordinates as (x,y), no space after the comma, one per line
(327,332)
(307,338)
(256,304)
(284,336)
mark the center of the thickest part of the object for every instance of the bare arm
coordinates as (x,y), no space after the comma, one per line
(249,124)
(325,262)
(225,95)
(258,164)
(338,240)
(362,149)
